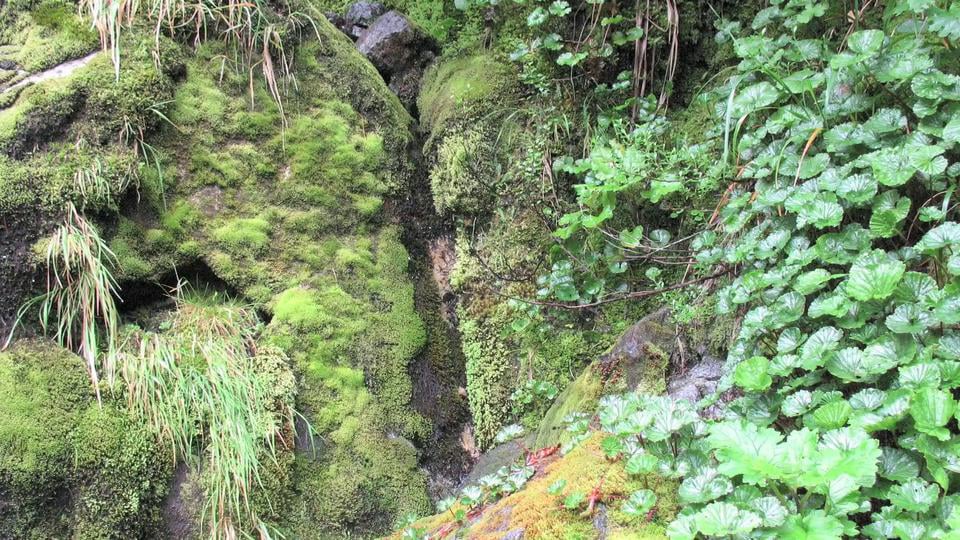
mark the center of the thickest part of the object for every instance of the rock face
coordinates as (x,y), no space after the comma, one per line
(397,47)
(360,16)
(19,229)
(697,382)
(650,342)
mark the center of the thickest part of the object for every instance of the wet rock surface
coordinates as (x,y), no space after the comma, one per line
(652,336)
(397,47)
(19,273)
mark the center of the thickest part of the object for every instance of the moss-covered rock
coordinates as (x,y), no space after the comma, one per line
(290,211)
(46,34)
(86,123)
(461,180)
(639,361)
(69,468)
(489,364)
(456,91)
(537,510)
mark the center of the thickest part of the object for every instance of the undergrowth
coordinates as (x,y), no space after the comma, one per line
(836,136)
(78,306)
(205,370)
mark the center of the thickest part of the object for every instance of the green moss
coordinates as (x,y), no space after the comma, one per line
(290,216)
(40,108)
(489,385)
(327,321)
(360,488)
(244,236)
(581,395)
(181,218)
(49,34)
(125,476)
(328,159)
(538,510)
(464,176)
(456,91)
(70,468)
(90,111)
(342,74)
(199,100)
(135,103)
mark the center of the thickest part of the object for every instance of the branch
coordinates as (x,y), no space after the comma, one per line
(635,295)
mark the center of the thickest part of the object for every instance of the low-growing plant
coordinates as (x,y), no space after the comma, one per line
(838,220)
(200,386)
(254,30)
(78,307)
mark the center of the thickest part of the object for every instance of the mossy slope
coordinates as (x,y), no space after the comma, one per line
(538,511)
(290,211)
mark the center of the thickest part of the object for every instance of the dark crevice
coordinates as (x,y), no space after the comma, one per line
(438,373)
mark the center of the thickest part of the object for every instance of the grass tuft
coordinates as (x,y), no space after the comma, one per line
(200,386)
(79,306)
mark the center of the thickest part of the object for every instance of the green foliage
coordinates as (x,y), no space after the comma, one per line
(78,306)
(627,173)
(212,397)
(840,222)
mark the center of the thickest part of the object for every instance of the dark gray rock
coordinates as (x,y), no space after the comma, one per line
(8,65)
(181,513)
(508,453)
(601,522)
(360,16)
(336,19)
(400,51)
(698,381)
(22,278)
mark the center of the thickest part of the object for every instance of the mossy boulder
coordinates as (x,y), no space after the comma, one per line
(68,467)
(44,35)
(291,210)
(537,510)
(638,361)
(70,138)
(458,90)
(461,180)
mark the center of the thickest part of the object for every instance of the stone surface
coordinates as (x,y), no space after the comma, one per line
(360,16)
(490,461)
(642,346)
(19,271)
(400,51)
(698,381)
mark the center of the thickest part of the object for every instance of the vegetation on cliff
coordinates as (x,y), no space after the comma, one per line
(692,269)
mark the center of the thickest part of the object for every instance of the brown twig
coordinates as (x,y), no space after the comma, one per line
(635,295)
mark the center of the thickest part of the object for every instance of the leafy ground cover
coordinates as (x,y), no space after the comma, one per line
(830,144)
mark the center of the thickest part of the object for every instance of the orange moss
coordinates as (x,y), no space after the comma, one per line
(540,514)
